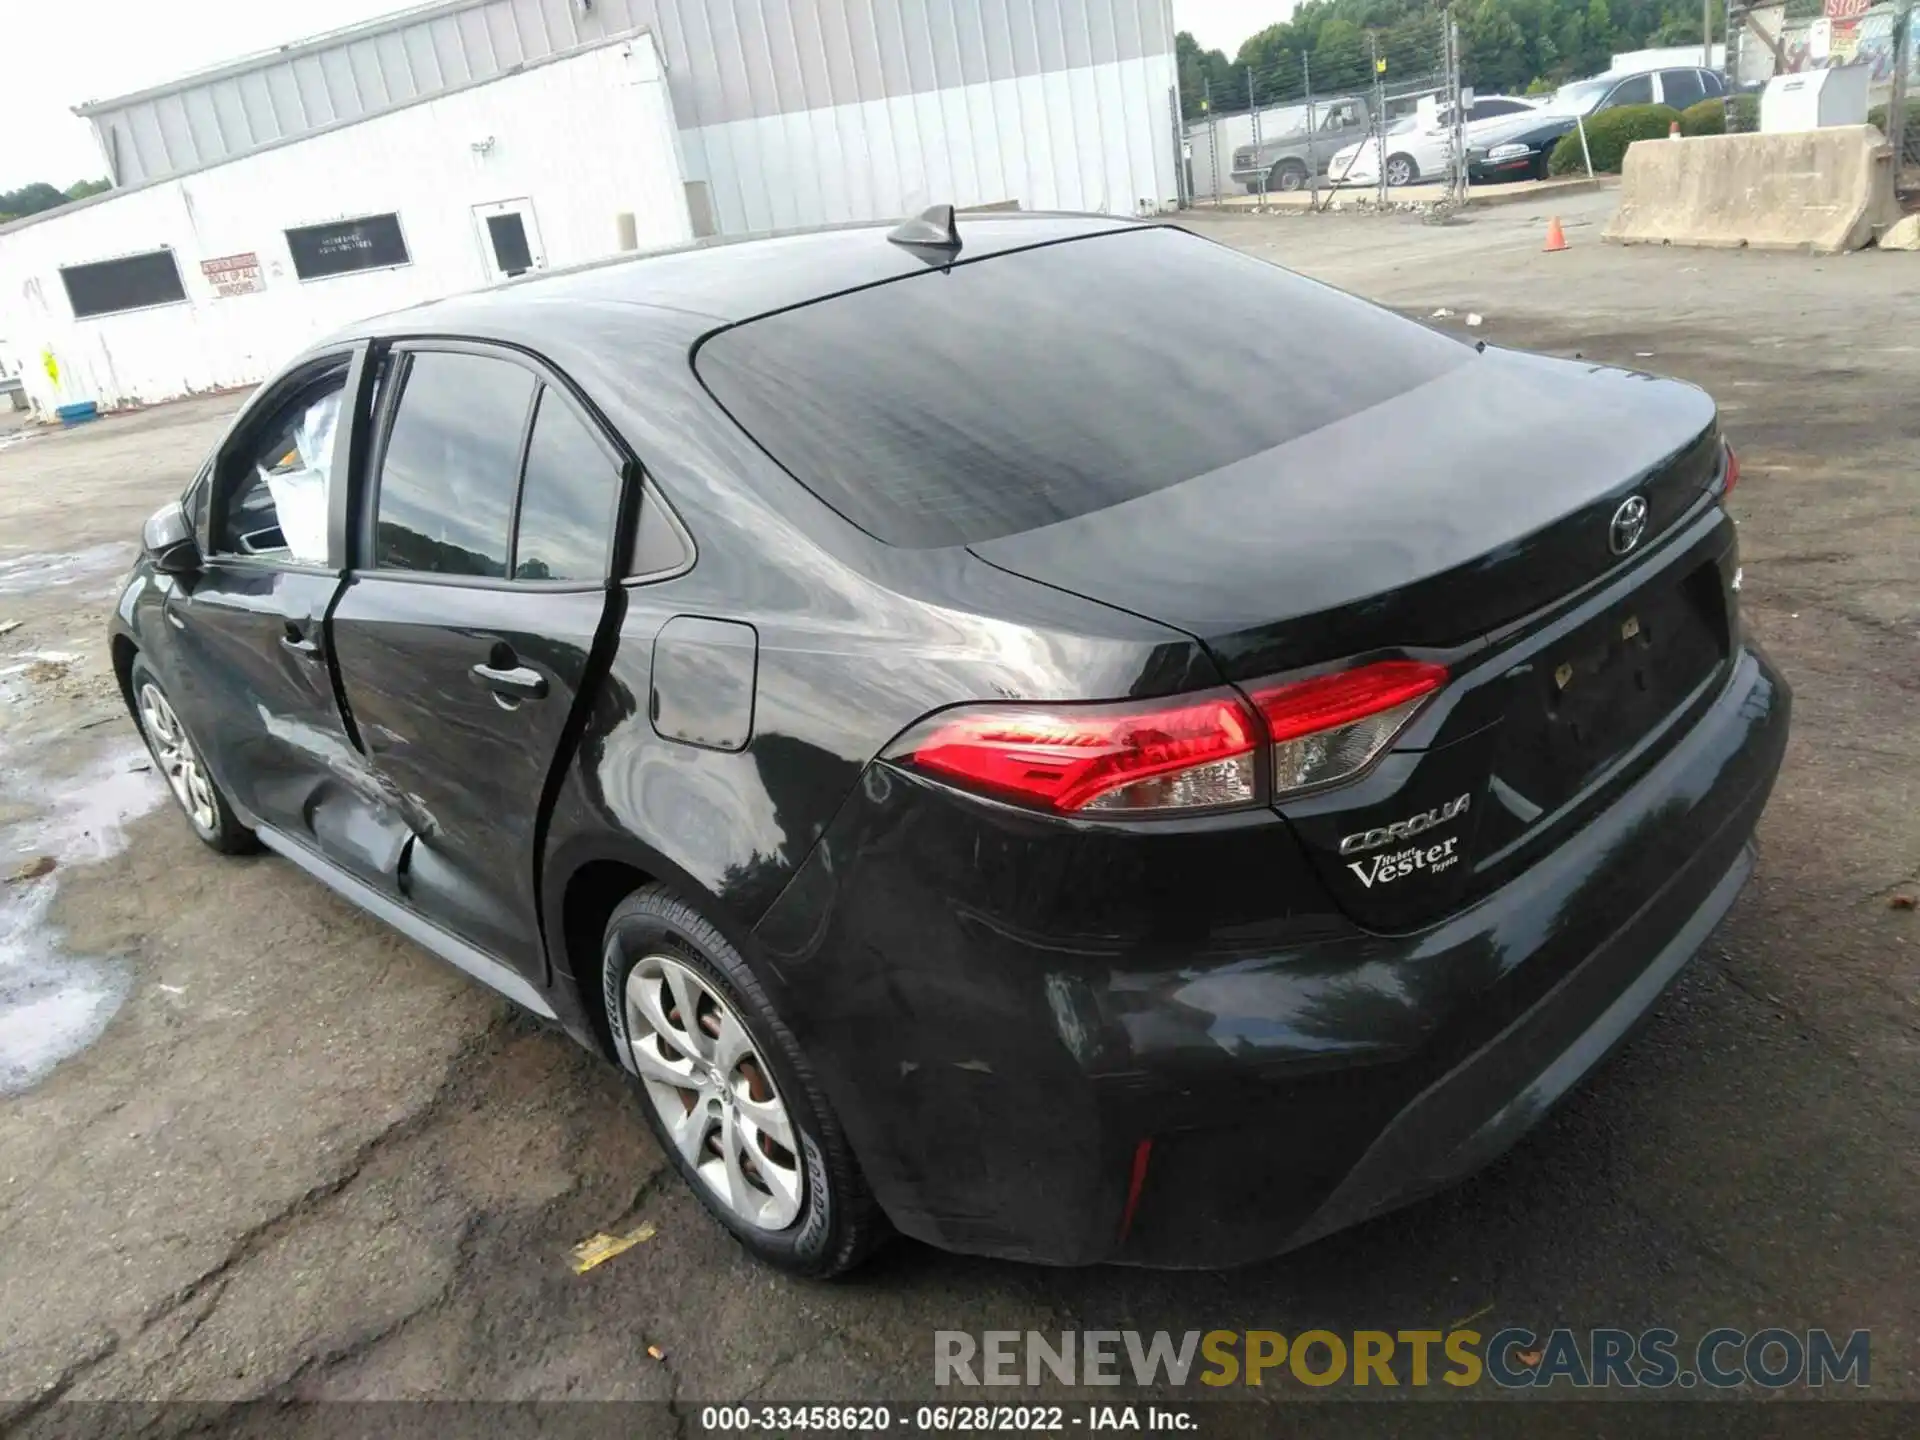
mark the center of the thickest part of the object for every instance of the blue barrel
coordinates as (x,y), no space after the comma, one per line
(78,414)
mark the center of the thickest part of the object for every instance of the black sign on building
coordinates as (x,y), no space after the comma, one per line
(339,247)
(132,282)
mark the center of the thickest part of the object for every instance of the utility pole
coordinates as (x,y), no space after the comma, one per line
(1255,111)
(1706,34)
(1379,126)
(1313,124)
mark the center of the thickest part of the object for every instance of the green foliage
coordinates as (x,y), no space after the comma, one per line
(1205,73)
(1608,135)
(40,196)
(1709,117)
(30,199)
(1509,46)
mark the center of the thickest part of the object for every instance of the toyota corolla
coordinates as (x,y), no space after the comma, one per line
(994,753)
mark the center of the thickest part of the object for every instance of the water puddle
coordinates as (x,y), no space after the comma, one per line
(53,1004)
(23,574)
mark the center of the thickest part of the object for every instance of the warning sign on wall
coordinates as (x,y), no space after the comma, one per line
(234,274)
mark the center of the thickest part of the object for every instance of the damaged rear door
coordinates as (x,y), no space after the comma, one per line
(466,628)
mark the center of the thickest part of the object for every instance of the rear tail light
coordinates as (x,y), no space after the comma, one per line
(1732,473)
(1331,727)
(1159,757)
(1193,753)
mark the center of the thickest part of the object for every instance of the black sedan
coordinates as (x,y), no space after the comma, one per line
(993,753)
(1524,153)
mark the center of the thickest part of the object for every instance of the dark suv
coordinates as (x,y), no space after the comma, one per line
(976,761)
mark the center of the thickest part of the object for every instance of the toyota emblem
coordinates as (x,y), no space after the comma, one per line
(1629,523)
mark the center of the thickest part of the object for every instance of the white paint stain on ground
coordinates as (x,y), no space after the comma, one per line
(53,1004)
(23,574)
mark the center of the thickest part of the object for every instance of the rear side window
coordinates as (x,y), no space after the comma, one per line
(962,405)
(1488,109)
(1681,88)
(566,509)
(1637,91)
(452,465)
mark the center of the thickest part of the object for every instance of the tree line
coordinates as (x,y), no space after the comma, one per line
(1507,46)
(39,196)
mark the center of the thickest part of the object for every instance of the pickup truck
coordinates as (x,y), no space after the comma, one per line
(1292,154)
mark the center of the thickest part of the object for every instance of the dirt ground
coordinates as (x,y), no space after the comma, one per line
(289,1154)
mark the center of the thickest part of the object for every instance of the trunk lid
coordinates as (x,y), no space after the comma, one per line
(1471,520)
(1426,520)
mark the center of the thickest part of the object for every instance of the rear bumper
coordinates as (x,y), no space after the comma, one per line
(1293,1074)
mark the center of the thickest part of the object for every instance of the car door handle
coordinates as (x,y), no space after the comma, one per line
(517,682)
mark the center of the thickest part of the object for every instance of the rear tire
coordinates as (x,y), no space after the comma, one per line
(731,1099)
(181,765)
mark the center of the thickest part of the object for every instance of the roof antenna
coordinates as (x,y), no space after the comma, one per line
(931,229)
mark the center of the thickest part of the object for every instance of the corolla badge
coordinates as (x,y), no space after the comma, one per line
(1363,840)
(1629,523)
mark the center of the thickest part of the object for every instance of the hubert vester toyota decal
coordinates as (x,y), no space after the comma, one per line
(1432,858)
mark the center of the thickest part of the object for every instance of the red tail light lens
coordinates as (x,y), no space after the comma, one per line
(1331,727)
(1732,472)
(1194,753)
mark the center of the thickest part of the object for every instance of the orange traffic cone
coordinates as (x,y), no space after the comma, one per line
(1556,237)
(1673,130)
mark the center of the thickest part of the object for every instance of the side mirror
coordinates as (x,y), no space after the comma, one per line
(168,540)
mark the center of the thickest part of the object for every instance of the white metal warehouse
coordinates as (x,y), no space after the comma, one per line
(265,202)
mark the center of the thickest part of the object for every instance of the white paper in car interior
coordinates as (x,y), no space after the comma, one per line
(300,496)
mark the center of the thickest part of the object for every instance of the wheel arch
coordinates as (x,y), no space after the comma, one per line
(123,651)
(585,879)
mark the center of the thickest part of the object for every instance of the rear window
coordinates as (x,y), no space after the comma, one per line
(963,405)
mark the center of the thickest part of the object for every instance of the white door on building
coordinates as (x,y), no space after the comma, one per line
(509,238)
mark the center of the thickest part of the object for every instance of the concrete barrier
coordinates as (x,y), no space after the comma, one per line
(1822,191)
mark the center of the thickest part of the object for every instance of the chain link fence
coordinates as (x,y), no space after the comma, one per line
(1380,113)
(1801,36)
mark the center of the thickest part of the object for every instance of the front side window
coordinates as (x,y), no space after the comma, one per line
(452,463)
(195,501)
(567,500)
(280,476)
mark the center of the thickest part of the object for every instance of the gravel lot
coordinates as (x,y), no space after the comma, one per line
(295,1156)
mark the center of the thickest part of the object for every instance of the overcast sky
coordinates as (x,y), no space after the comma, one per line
(1223,24)
(57,55)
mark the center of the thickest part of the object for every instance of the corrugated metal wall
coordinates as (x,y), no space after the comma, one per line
(794,111)
(239,108)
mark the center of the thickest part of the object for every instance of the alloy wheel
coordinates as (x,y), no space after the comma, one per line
(178,760)
(713,1093)
(1399,172)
